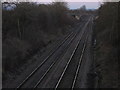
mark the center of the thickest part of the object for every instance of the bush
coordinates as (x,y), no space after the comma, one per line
(108,19)
(107,32)
(28,27)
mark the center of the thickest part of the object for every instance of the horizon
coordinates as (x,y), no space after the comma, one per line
(90,4)
(76,5)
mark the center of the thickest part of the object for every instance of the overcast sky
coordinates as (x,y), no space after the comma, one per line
(74,4)
(89,5)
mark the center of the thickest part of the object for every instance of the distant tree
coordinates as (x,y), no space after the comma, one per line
(83,8)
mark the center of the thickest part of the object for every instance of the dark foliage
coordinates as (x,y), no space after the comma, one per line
(107,35)
(108,19)
(28,27)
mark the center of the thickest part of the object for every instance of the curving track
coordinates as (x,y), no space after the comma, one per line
(61,67)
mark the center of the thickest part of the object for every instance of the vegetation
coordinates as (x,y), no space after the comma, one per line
(106,31)
(28,27)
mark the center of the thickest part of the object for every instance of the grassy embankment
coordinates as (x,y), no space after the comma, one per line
(108,42)
(28,28)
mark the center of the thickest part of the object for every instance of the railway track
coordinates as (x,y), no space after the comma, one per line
(52,60)
(68,76)
(70,73)
(32,73)
(49,85)
(36,69)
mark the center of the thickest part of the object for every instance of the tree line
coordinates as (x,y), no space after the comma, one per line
(28,27)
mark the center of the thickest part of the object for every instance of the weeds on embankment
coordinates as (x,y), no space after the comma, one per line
(107,32)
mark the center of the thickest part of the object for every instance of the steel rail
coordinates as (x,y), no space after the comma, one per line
(67,65)
(35,70)
(54,63)
(32,73)
(70,57)
(21,84)
(79,64)
(80,61)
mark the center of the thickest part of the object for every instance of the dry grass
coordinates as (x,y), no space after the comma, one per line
(107,45)
(28,28)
